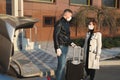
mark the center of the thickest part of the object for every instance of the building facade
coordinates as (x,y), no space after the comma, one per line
(49,11)
(2,7)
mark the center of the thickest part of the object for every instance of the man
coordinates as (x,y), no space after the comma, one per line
(62,41)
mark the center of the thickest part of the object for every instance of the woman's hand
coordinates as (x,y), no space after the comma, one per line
(97,57)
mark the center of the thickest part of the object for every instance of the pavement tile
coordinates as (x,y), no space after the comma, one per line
(44,61)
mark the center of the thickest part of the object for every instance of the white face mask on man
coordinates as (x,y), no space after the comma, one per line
(69,19)
(90,27)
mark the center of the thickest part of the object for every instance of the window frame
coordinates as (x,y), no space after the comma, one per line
(52,1)
(53,21)
(116,4)
(89,2)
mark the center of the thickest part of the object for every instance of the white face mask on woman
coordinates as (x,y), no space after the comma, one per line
(90,27)
(69,19)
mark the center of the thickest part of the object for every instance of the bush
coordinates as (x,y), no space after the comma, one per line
(111,42)
(107,42)
(79,42)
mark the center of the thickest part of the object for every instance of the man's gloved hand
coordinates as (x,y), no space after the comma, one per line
(73,45)
(59,52)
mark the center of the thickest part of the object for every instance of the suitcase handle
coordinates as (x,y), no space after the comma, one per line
(74,61)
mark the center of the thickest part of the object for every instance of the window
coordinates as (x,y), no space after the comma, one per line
(110,3)
(28,16)
(8,7)
(48,21)
(48,1)
(80,2)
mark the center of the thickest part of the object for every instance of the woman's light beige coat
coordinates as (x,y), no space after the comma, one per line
(94,50)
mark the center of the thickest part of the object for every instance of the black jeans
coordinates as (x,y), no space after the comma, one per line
(90,72)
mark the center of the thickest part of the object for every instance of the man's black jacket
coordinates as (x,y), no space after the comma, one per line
(61,33)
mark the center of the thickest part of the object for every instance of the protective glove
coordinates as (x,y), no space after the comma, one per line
(73,45)
(59,52)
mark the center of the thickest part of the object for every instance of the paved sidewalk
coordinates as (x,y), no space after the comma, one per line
(110,70)
(44,62)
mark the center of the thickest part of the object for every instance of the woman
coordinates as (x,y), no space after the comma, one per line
(92,48)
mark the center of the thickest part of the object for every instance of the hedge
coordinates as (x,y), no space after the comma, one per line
(107,42)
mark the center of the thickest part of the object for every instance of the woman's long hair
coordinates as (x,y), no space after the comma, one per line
(95,25)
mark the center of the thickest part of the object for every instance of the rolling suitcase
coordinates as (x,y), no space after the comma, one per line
(75,68)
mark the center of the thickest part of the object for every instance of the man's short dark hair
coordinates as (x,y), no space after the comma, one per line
(68,10)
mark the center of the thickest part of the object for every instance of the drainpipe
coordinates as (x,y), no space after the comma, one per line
(15,13)
(20,14)
(15,7)
(17,10)
(20,8)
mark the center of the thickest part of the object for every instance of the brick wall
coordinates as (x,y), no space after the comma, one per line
(2,6)
(38,10)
